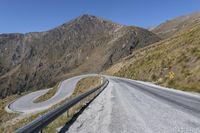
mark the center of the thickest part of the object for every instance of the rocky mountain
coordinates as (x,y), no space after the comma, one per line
(86,44)
(171,27)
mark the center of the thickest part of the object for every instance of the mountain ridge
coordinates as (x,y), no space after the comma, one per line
(173,26)
(38,60)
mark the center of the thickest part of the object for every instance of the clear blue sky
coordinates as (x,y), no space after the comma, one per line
(40,15)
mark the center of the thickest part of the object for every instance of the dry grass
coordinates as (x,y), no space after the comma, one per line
(180,54)
(5,116)
(85,84)
(48,95)
(82,86)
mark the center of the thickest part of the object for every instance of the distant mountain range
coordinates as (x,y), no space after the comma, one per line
(176,25)
(87,44)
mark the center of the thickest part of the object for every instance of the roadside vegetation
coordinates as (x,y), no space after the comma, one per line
(82,86)
(5,117)
(179,54)
(85,84)
(48,95)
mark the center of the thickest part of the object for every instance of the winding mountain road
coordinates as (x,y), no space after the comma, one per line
(126,106)
(25,104)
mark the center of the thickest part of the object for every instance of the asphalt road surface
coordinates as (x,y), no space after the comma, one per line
(26,103)
(128,106)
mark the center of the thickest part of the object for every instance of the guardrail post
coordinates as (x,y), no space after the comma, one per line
(68,113)
(42,123)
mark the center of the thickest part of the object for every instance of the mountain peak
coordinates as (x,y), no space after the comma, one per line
(90,17)
(87,16)
(88,22)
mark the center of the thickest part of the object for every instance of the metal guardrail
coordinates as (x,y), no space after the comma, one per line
(39,123)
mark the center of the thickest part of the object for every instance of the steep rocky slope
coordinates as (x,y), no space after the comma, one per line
(171,27)
(86,44)
(179,54)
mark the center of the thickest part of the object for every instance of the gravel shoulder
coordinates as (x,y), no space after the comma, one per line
(125,108)
(97,116)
